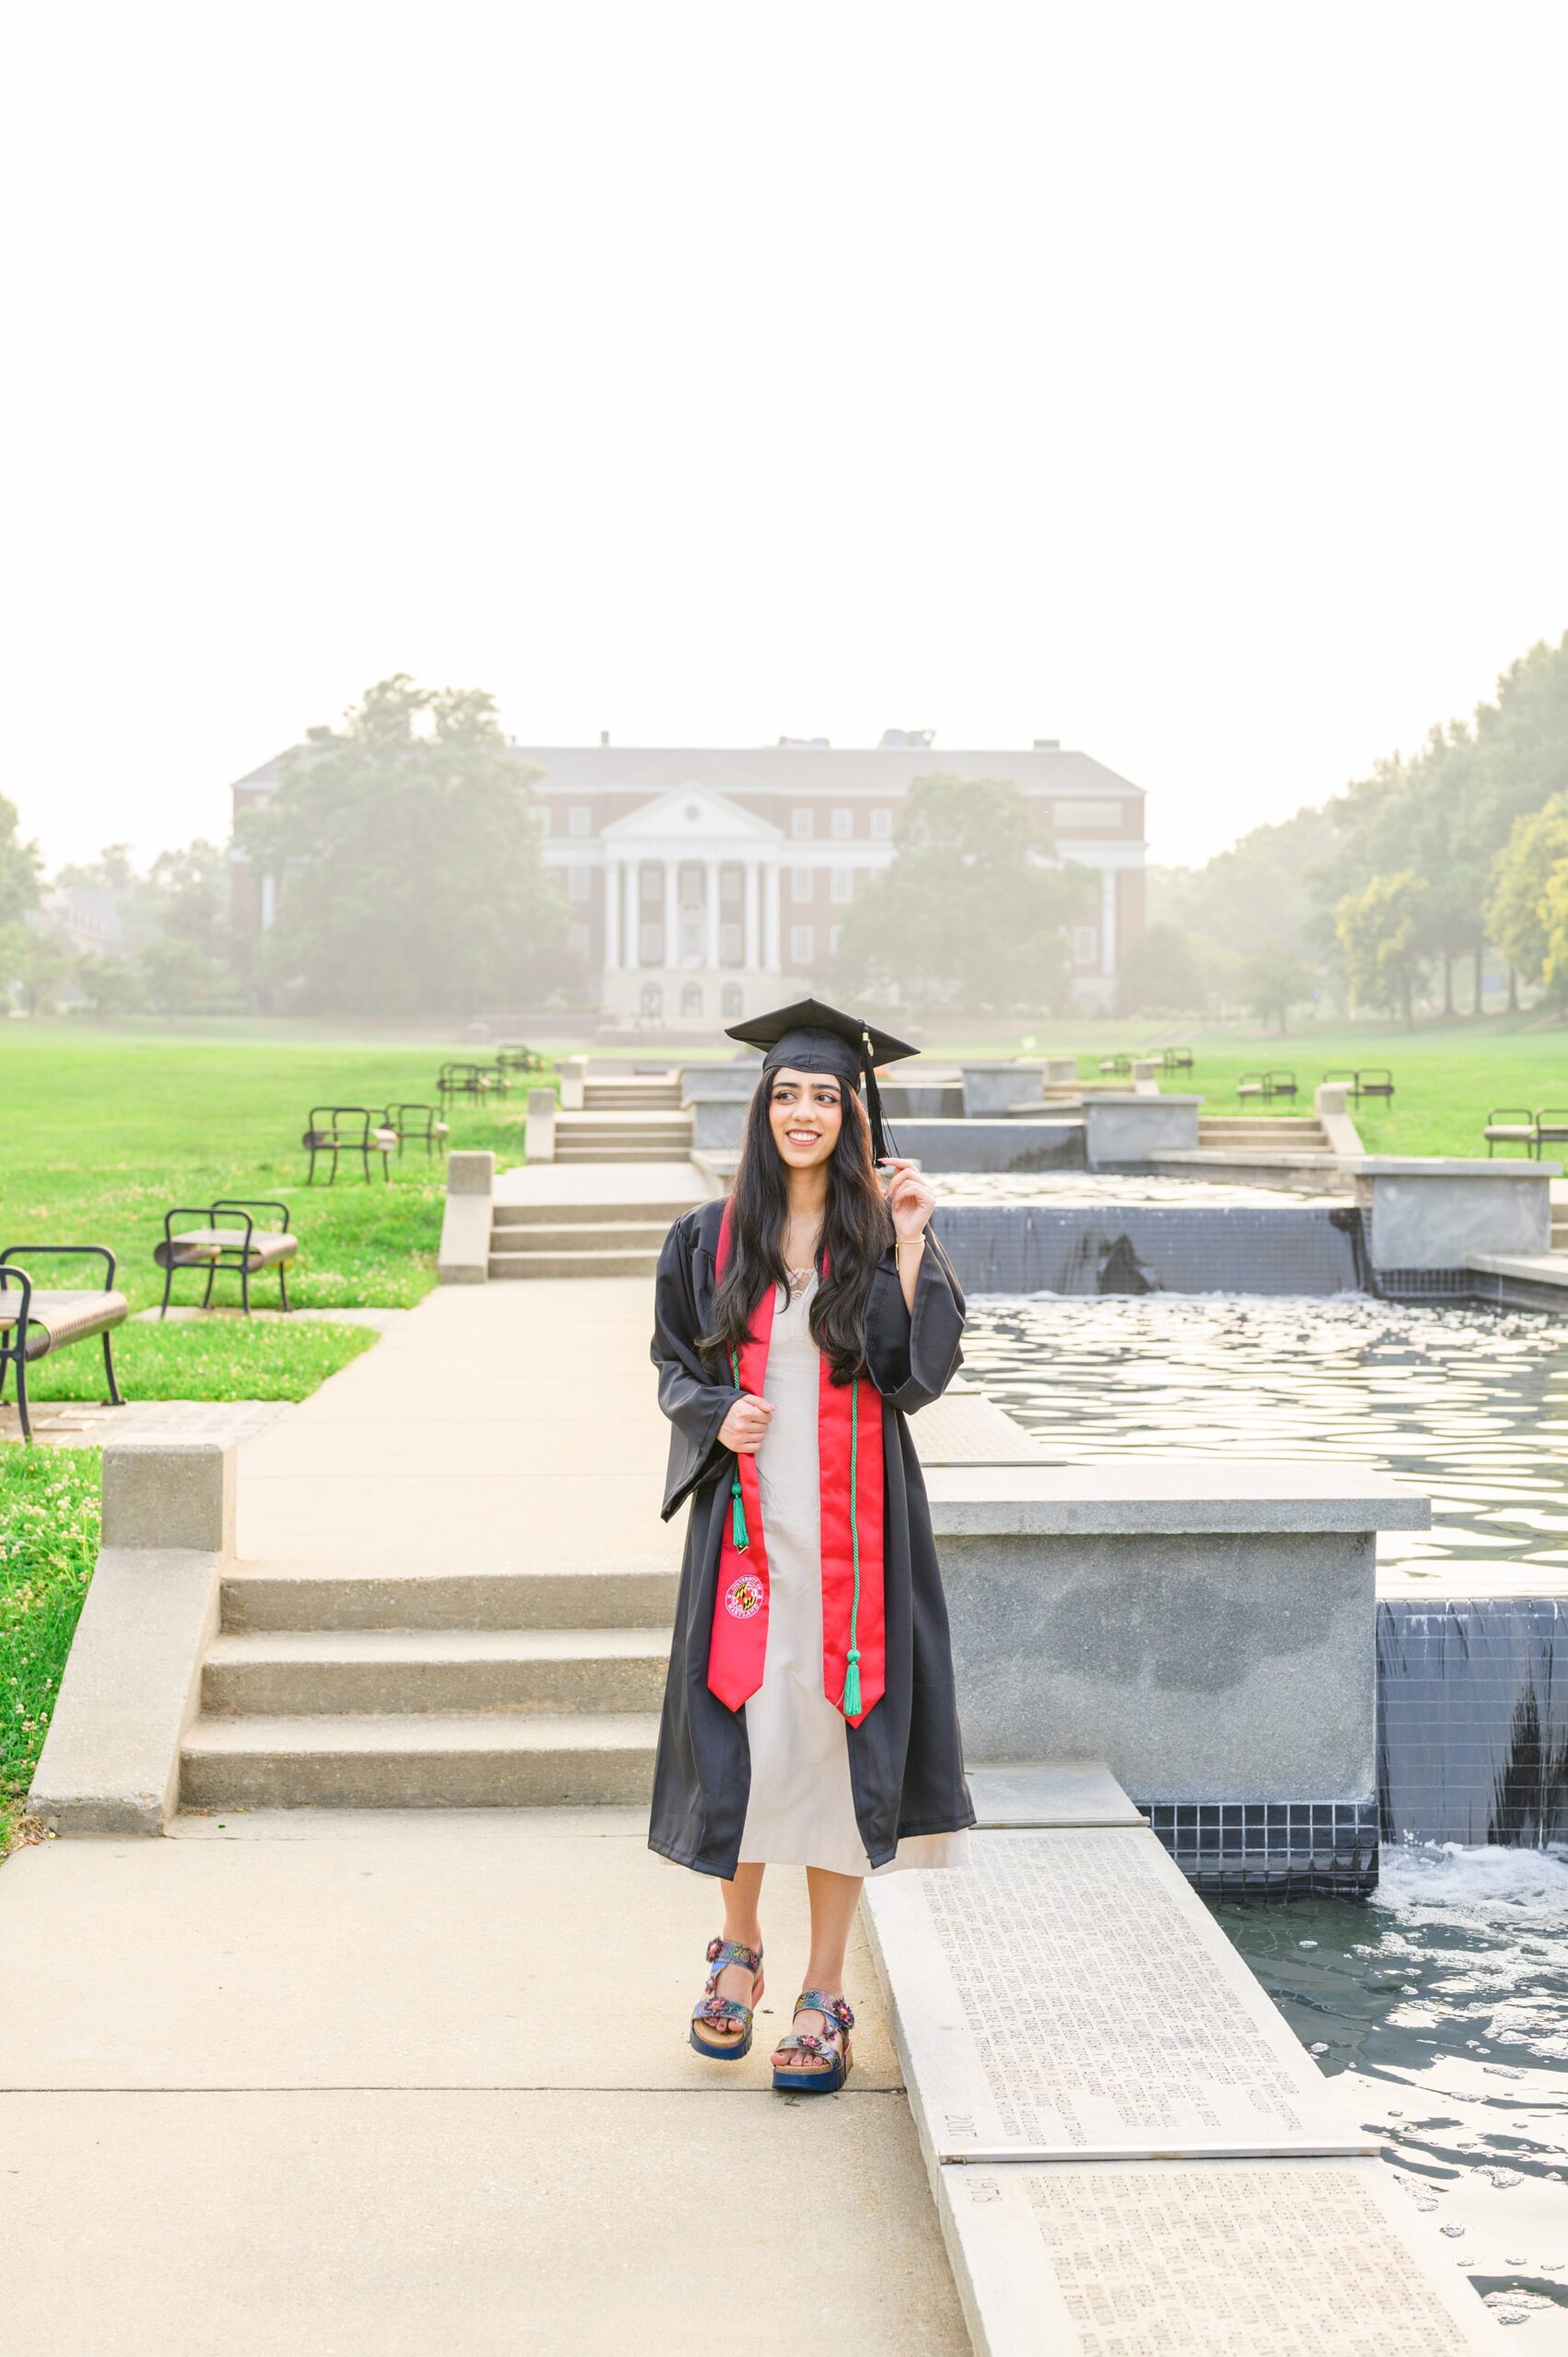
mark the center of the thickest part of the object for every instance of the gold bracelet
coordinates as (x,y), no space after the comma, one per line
(899,1241)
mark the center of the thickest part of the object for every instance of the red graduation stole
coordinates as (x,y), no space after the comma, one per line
(849,1436)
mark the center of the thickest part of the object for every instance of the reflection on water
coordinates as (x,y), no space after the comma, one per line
(1442,2005)
(1470,1404)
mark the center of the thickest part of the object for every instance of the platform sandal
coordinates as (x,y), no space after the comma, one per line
(837,2023)
(714,2009)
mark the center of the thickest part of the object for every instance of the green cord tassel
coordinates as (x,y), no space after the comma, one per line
(851,1704)
(740,1538)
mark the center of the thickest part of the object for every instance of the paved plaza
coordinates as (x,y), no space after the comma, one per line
(349,2082)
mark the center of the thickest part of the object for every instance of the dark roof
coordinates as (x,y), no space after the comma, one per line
(795,769)
(788,769)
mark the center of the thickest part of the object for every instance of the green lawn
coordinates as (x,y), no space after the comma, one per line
(101,1135)
(48,1514)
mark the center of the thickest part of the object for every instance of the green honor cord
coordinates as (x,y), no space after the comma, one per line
(852,1674)
(740,1538)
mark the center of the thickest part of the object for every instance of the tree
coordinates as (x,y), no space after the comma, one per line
(1160,974)
(969,912)
(39,964)
(1273,982)
(1383,931)
(184,895)
(179,975)
(408,861)
(108,985)
(1530,881)
(20,866)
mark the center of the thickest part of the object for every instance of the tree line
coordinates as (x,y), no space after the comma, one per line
(1401,890)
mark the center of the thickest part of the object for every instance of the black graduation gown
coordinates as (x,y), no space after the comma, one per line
(906,1758)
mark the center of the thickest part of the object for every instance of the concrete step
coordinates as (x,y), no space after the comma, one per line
(601,1096)
(525,1215)
(675,1135)
(325,1596)
(626,1235)
(468,1761)
(616,1153)
(643,1263)
(545,1672)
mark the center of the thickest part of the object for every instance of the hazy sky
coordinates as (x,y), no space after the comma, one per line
(1183,381)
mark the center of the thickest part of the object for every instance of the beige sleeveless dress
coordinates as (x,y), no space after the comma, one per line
(801,1811)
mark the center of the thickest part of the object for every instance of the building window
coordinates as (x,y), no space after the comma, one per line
(841,825)
(1086,945)
(651,887)
(802,944)
(729,945)
(732,880)
(835,935)
(731,1003)
(578,819)
(579,883)
(690,998)
(577,940)
(802,883)
(882,826)
(650,945)
(802,821)
(1099,818)
(651,999)
(842,885)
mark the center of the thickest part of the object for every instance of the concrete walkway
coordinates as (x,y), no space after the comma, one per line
(331,2085)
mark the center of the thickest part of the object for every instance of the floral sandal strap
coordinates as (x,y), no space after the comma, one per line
(722,1953)
(710,2006)
(838,2021)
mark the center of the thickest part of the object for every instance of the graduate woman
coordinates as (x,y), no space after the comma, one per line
(809,1714)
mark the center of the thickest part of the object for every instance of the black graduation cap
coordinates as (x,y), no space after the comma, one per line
(810,1037)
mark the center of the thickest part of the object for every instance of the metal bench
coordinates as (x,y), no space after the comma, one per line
(1116,1064)
(519,1059)
(1175,1058)
(1510,1125)
(1266,1085)
(416,1124)
(1551,1126)
(1370,1080)
(466,1080)
(211,1247)
(34,1324)
(335,1130)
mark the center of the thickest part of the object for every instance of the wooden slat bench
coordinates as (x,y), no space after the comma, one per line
(34,1323)
(335,1130)
(212,1246)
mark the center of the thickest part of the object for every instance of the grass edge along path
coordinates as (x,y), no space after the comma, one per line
(49,1532)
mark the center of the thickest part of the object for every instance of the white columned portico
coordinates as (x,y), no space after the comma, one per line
(711,911)
(611,914)
(1107,920)
(773,959)
(751,939)
(671,912)
(631,915)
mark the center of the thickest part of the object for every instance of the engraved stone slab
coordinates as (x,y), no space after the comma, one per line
(1067,1995)
(972,1430)
(1049,1792)
(1220,2258)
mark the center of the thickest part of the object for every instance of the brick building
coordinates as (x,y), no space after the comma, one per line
(704,884)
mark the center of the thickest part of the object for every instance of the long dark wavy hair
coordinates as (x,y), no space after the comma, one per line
(857,1228)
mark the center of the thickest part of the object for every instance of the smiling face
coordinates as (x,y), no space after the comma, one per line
(806,1113)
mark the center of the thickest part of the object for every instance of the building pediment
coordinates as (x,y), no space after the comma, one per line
(694,814)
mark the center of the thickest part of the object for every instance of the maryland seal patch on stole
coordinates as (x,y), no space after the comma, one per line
(743,1597)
